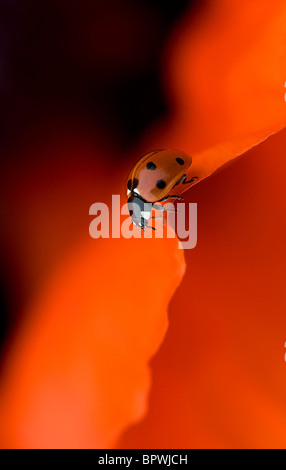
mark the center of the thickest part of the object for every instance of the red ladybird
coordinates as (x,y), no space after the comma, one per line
(152,179)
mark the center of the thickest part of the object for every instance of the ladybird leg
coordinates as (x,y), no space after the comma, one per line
(163,199)
(158,207)
(192,180)
(162,208)
(170,197)
(144,229)
(159,217)
(150,226)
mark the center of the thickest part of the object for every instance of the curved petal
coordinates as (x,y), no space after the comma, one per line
(225,73)
(219,378)
(77,371)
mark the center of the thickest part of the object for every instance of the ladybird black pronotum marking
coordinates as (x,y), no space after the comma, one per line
(152,179)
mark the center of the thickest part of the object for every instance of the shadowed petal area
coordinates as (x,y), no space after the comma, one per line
(77,373)
(225,72)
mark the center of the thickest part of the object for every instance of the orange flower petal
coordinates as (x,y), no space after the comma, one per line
(77,376)
(220,376)
(77,373)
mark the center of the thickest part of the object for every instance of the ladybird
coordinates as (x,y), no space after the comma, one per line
(152,179)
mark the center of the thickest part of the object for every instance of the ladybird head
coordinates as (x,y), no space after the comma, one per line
(139,210)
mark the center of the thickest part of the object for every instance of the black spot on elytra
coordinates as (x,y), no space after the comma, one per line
(129,185)
(180,161)
(151,166)
(160,184)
